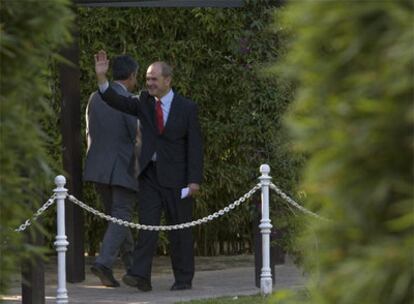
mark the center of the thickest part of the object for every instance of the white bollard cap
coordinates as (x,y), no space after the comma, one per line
(60,181)
(265,169)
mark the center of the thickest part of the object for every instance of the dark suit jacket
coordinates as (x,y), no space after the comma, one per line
(179,148)
(111,137)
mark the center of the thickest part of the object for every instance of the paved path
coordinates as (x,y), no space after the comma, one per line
(215,277)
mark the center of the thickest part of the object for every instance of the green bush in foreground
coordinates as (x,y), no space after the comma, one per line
(30,33)
(354,115)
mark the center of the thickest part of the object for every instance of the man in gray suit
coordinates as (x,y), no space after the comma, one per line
(112,165)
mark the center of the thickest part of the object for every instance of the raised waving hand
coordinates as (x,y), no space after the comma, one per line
(101,66)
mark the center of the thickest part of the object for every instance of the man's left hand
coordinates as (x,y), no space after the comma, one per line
(193,189)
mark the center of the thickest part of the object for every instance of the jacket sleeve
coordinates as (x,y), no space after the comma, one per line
(129,105)
(194,148)
(87,117)
(87,114)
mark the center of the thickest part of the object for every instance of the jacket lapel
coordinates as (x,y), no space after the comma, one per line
(174,110)
(150,111)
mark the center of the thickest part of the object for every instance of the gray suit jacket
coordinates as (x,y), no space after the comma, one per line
(111,138)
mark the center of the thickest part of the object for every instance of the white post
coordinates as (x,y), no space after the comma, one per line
(61,243)
(265,229)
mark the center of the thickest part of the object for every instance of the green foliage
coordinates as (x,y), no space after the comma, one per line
(30,33)
(354,116)
(217,55)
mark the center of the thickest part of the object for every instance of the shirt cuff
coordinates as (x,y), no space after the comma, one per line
(103,87)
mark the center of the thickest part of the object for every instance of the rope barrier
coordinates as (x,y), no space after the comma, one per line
(39,212)
(285,197)
(203,220)
(166,227)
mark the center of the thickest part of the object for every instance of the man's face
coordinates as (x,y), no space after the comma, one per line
(157,84)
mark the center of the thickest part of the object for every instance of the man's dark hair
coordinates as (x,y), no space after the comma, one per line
(123,66)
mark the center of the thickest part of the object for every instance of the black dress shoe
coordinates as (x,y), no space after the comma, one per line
(181,286)
(135,281)
(105,275)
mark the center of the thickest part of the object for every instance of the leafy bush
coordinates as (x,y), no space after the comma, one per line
(353,114)
(31,31)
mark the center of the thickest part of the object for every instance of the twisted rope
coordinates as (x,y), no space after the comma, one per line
(42,209)
(295,204)
(166,227)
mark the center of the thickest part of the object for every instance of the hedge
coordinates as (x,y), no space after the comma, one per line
(218,56)
(354,116)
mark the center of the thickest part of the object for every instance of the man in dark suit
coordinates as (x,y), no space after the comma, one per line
(171,166)
(113,143)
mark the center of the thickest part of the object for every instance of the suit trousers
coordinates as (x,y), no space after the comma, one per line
(152,200)
(118,202)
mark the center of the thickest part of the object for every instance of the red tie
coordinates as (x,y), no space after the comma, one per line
(159,116)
